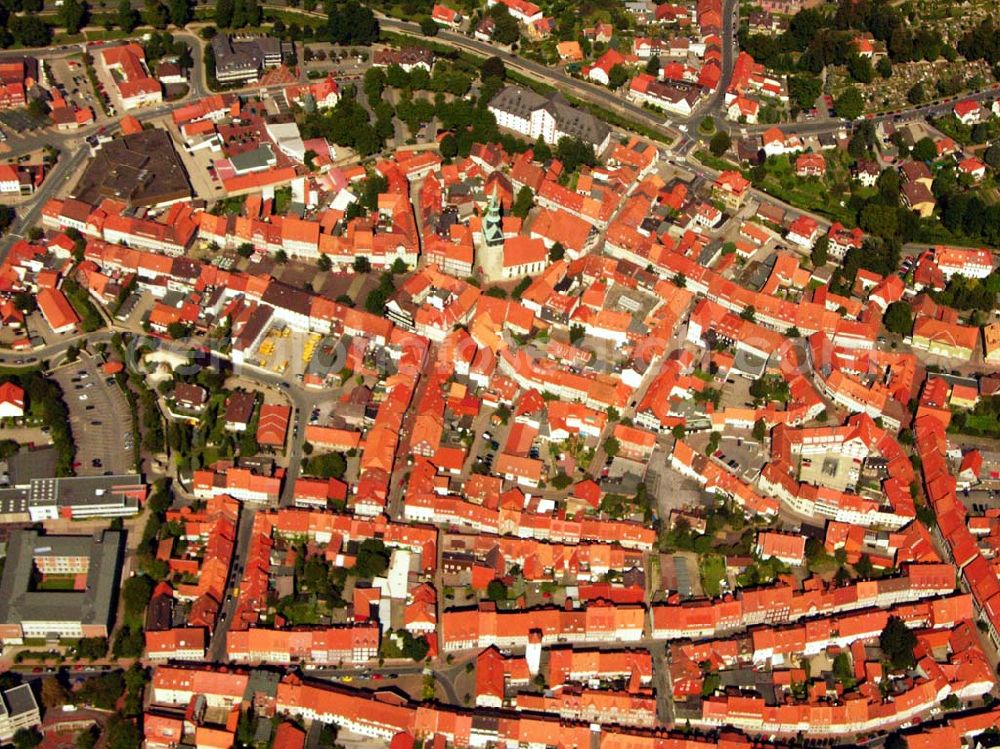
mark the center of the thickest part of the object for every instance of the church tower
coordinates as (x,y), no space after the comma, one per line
(493,222)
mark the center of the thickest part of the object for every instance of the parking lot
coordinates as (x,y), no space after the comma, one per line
(741,455)
(838,472)
(99,417)
(71,75)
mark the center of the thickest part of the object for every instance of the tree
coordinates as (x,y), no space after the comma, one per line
(506,31)
(759,430)
(561,480)
(92,648)
(523,202)
(992,156)
(126,17)
(27,738)
(330,465)
(25,301)
(864,566)
(351,23)
(849,104)
(155,14)
(180,13)
(137,591)
(820,251)
(428,26)
(842,577)
(101,691)
(449,146)
(884,67)
(375,302)
(897,642)
(373,559)
(496,591)
(30,31)
(880,220)
(557,252)
(54,694)
(122,733)
(611,447)
(617,76)
(804,89)
(541,150)
(860,69)
(87,739)
(493,67)
(7,216)
(72,15)
(924,150)
(720,143)
(573,153)
(362,264)
(916,95)
(898,318)
(224,10)
(177,330)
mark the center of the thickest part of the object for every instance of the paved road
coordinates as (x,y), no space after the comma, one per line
(444,676)
(933,109)
(715,104)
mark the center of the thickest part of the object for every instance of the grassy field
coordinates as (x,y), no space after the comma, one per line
(817,195)
(714,162)
(712,569)
(302,612)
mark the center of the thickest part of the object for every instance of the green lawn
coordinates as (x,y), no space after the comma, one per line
(58,582)
(983,423)
(712,569)
(822,196)
(714,162)
(302,612)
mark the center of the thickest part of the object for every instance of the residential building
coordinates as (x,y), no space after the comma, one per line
(126,64)
(243,59)
(547,117)
(18,711)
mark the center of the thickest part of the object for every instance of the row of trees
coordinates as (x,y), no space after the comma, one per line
(349,124)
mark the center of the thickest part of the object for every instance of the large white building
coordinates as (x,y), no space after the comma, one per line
(547,117)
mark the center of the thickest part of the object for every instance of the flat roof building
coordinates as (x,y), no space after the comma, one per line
(88,610)
(244,59)
(142,169)
(18,710)
(43,499)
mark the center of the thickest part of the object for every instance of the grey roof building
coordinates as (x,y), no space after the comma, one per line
(550,117)
(40,499)
(18,710)
(141,169)
(244,59)
(28,611)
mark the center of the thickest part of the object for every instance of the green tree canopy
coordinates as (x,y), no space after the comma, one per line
(849,104)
